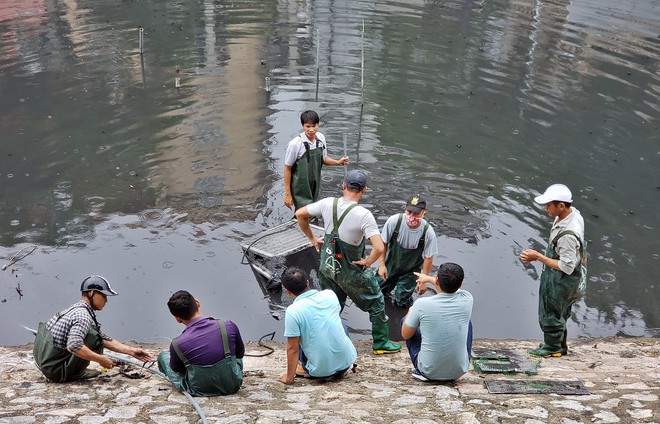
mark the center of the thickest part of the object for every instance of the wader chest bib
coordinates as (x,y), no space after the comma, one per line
(59,364)
(222,378)
(306,176)
(338,273)
(401,263)
(557,293)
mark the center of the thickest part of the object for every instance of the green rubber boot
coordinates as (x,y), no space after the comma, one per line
(551,346)
(382,344)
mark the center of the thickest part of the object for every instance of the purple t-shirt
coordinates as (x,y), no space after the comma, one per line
(201,343)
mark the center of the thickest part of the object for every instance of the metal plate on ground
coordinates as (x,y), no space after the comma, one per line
(573,387)
(283,240)
(503,361)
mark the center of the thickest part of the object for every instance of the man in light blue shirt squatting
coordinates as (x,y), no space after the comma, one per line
(315,333)
(438,330)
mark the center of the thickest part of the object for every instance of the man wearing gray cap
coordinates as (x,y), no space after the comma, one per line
(343,267)
(66,344)
(563,280)
(410,245)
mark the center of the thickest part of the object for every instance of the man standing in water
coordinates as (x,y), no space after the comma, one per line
(410,245)
(563,280)
(304,157)
(69,341)
(343,268)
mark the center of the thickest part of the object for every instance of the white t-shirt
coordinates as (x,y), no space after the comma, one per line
(296,148)
(409,238)
(358,224)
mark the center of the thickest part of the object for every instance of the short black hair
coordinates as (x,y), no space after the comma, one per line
(182,305)
(295,280)
(566,204)
(450,277)
(309,117)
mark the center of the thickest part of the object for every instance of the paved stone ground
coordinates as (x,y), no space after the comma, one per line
(621,374)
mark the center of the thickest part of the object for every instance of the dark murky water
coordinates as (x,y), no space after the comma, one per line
(110,169)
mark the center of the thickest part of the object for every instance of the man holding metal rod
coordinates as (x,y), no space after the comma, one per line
(304,157)
(69,341)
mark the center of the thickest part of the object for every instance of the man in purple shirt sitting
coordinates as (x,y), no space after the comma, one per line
(207,358)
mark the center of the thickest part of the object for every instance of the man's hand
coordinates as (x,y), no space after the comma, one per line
(343,160)
(382,271)
(141,354)
(285,380)
(317,243)
(105,362)
(288,201)
(423,278)
(362,262)
(421,288)
(529,255)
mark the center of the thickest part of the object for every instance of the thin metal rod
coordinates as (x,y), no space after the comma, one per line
(318,45)
(362,68)
(141,39)
(345,154)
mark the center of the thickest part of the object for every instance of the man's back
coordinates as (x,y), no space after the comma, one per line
(358,224)
(443,322)
(201,343)
(314,317)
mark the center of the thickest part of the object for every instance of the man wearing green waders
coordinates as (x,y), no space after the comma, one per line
(343,267)
(564,276)
(69,341)
(304,157)
(410,245)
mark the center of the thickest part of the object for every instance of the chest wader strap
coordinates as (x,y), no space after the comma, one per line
(225,344)
(60,314)
(306,144)
(337,222)
(395,234)
(568,233)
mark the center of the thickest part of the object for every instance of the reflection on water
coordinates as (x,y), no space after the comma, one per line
(110,168)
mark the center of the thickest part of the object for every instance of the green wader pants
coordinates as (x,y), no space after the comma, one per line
(58,364)
(306,177)
(401,263)
(222,378)
(557,294)
(338,273)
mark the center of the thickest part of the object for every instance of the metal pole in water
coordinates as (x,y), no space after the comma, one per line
(177,79)
(267,83)
(345,154)
(141,39)
(361,95)
(318,44)
(362,68)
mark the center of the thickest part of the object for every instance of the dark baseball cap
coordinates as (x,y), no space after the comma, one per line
(416,203)
(356,179)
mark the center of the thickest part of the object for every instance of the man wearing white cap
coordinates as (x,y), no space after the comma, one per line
(563,280)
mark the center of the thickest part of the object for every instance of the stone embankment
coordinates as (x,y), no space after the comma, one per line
(622,376)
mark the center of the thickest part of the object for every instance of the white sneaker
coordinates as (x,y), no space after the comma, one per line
(418,375)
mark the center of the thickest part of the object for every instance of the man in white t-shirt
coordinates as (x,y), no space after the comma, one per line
(343,267)
(410,245)
(303,159)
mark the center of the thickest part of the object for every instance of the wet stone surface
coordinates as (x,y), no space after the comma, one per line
(623,389)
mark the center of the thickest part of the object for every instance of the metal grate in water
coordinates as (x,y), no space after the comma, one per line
(282,240)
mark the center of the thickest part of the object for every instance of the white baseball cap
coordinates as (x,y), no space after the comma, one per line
(556,192)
